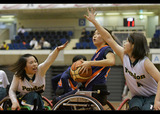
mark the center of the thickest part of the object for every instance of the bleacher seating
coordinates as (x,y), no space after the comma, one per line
(55,38)
(155,43)
(86,42)
(121,36)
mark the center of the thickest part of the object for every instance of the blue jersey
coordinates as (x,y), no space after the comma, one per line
(99,74)
(67,83)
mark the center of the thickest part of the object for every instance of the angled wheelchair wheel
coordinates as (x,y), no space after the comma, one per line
(108,106)
(47,103)
(124,105)
(5,103)
(78,102)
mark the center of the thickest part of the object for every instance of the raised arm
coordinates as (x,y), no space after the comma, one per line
(105,35)
(43,67)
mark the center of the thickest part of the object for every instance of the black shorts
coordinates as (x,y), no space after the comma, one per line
(102,97)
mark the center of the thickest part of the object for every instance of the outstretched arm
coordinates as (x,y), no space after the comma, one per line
(105,35)
(43,67)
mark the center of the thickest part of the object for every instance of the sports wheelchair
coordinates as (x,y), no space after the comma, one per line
(81,100)
(87,100)
(5,104)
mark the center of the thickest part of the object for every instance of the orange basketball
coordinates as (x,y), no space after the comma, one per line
(77,75)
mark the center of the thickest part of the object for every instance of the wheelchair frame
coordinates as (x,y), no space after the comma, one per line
(81,100)
(5,104)
(70,101)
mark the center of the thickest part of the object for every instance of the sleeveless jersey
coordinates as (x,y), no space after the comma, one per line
(99,74)
(139,82)
(37,85)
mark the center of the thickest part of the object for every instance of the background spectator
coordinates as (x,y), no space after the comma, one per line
(4,46)
(33,43)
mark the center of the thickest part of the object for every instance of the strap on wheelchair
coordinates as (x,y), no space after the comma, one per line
(102,88)
(104,92)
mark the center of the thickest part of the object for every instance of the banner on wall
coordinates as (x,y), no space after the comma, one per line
(82,22)
(156,58)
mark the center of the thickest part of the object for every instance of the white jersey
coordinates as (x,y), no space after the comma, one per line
(3,79)
(38,83)
(139,82)
(25,86)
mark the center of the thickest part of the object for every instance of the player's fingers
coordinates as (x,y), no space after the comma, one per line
(64,45)
(87,71)
(85,16)
(78,66)
(81,60)
(82,70)
(95,14)
(157,108)
(92,10)
(88,10)
(13,108)
(18,108)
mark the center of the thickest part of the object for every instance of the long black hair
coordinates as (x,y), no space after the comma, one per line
(141,48)
(19,66)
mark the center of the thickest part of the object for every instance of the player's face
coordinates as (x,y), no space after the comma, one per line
(128,47)
(97,39)
(31,65)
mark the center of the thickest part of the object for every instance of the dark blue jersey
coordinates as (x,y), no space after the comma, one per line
(99,74)
(66,82)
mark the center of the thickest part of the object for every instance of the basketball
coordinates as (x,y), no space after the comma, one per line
(78,76)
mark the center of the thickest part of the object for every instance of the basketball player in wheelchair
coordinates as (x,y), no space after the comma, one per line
(63,83)
(101,63)
(29,79)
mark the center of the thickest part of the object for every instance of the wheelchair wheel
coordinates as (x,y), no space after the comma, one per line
(47,104)
(5,103)
(78,102)
(108,106)
(124,105)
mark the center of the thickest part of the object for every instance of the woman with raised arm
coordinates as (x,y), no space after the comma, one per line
(142,77)
(29,79)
